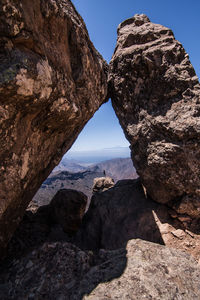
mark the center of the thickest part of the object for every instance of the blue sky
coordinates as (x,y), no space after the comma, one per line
(102,18)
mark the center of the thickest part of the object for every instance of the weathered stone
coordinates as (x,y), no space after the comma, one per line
(156,96)
(67,209)
(178,233)
(101,184)
(52,80)
(63,271)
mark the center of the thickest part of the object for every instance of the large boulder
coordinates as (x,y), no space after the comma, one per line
(67,208)
(156,96)
(52,80)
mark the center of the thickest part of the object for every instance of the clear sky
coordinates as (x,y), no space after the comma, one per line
(102,18)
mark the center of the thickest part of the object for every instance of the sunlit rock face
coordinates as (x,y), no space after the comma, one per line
(156,96)
(52,80)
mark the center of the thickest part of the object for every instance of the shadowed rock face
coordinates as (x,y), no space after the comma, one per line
(65,271)
(67,208)
(117,215)
(156,96)
(52,80)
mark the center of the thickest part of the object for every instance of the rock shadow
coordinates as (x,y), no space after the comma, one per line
(96,254)
(117,215)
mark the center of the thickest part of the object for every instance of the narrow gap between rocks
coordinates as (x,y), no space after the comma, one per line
(100,150)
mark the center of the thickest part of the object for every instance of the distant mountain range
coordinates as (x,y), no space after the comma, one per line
(80,176)
(118,168)
(96,156)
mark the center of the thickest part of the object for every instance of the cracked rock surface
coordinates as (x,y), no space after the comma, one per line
(52,80)
(156,96)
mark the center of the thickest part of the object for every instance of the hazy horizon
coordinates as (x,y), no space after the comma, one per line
(94,156)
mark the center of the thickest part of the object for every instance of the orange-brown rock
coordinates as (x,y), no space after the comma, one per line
(52,80)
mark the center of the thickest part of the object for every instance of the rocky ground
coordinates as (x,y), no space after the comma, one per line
(63,271)
(108,258)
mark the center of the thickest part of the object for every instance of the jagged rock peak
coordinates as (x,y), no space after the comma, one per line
(156,96)
(137,20)
(52,80)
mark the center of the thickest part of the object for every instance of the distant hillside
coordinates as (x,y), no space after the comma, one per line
(71,165)
(119,168)
(73,175)
(82,181)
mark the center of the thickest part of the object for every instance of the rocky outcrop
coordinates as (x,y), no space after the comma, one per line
(67,209)
(126,212)
(156,96)
(49,272)
(142,270)
(52,80)
(117,215)
(102,184)
(152,272)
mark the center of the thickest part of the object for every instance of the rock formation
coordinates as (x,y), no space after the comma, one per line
(152,272)
(52,80)
(67,209)
(142,270)
(156,96)
(102,184)
(126,212)
(117,215)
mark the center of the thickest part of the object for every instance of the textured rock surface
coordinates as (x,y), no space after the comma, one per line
(49,272)
(142,270)
(52,80)
(156,95)
(101,184)
(152,272)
